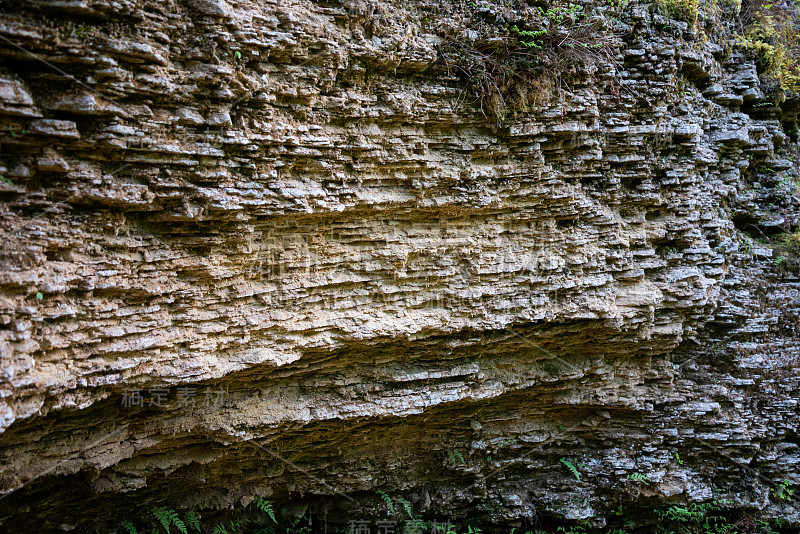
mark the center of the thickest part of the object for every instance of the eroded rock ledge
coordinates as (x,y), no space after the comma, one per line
(285,202)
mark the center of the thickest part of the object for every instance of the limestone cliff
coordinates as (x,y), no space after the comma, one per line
(276,248)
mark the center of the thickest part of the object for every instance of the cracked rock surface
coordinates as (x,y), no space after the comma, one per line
(325,273)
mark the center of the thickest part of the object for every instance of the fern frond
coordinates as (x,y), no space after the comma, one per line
(180,525)
(387,500)
(128,526)
(572,468)
(192,520)
(162,514)
(220,529)
(265,506)
(407,507)
(641,478)
(168,518)
(457,458)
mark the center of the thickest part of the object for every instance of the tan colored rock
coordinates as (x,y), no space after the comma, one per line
(314,268)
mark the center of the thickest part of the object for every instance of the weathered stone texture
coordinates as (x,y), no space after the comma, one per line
(291,201)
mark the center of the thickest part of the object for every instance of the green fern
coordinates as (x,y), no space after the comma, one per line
(220,529)
(457,458)
(128,526)
(640,478)
(265,506)
(387,500)
(407,508)
(572,468)
(192,520)
(162,514)
(168,518)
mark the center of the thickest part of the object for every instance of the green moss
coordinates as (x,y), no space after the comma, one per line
(772,37)
(787,251)
(680,9)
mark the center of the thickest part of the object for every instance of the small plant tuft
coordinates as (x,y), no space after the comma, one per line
(265,506)
(128,526)
(386,499)
(168,517)
(572,468)
(644,479)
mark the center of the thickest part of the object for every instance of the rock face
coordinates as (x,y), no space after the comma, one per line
(270,248)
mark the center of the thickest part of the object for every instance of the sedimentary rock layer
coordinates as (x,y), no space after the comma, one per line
(326,271)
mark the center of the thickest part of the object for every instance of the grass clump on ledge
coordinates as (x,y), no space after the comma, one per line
(512,56)
(771,35)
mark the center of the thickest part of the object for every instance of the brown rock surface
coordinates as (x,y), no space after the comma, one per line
(326,276)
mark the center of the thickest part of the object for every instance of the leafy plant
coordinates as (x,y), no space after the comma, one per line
(407,507)
(783,491)
(457,458)
(222,529)
(168,518)
(680,9)
(640,478)
(265,506)
(771,35)
(533,35)
(387,500)
(787,246)
(192,521)
(511,62)
(128,526)
(572,468)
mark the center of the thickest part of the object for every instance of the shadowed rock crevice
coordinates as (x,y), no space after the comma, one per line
(294,222)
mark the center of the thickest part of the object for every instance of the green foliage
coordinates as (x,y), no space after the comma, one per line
(265,506)
(787,247)
(572,468)
(686,10)
(783,491)
(167,518)
(457,458)
(39,295)
(407,508)
(695,511)
(387,500)
(640,478)
(6,180)
(771,35)
(128,526)
(79,30)
(533,35)
(448,529)
(514,61)
(678,458)
(192,521)
(695,518)
(234,527)
(298,526)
